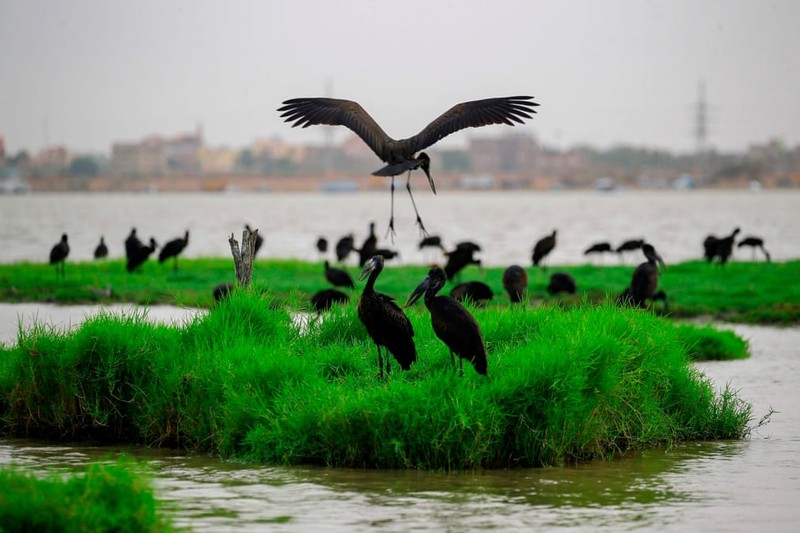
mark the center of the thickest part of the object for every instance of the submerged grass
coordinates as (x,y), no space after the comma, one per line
(106,497)
(245,383)
(740,291)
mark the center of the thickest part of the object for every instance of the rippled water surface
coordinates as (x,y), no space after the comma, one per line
(506,224)
(719,486)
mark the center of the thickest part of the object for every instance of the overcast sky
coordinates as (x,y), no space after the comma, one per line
(88,72)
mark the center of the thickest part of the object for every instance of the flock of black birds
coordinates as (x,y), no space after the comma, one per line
(384,320)
(452,323)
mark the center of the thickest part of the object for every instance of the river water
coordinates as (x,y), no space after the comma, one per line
(505,224)
(720,486)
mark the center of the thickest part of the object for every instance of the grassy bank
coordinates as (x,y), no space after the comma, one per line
(106,497)
(740,292)
(242,382)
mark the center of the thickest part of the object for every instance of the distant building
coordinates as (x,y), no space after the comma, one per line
(514,152)
(156,156)
(51,161)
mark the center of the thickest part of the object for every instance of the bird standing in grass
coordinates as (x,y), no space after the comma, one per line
(477,291)
(404,155)
(173,249)
(561,282)
(515,282)
(385,322)
(326,298)
(59,253)
(755,242)
(338,277)
(644,281)
(452,323)
(141,254)
(101,251)
(542,248)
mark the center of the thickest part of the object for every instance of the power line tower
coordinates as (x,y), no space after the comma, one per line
(701,120)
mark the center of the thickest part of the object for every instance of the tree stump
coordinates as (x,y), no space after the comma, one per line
(243,260)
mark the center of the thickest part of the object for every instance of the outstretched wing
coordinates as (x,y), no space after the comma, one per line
(505,110)
(336,112)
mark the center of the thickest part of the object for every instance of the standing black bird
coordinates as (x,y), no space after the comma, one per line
(543,247)
(344,246)
(338,277)
(386,253)
(710,247)
(598,248)
(173,249)
(322,246)
(385,322)
(132,244)
(140,255)
(451,321)
(477,291)
(755,242)
(431,241)
(326,298)
(459,258)
(561,282)
(644,281)
(259,239)
(59,253)
(515,282)
(102,250)
(401,155)
(368,247)
(222,290)
(628,246)
(724,247)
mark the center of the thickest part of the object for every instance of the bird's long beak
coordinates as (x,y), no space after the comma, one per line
(369,266)
(426,168)
(418,292)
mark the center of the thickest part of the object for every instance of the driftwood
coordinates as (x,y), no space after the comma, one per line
(244,260)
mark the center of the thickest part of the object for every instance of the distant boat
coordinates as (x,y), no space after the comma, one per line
(339,186)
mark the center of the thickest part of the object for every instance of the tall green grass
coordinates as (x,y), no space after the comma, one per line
(741,291)
(106,497)
(244,382)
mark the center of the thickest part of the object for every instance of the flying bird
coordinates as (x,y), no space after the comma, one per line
(405,155)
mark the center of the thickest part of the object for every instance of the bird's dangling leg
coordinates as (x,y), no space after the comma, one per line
(419,220)
(380,362)
(390,229)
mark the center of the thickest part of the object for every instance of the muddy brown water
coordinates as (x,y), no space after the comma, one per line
(720,486)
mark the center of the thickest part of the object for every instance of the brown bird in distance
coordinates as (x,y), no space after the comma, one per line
(404,154)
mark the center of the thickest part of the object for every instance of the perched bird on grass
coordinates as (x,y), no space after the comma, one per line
(644,281)
(561,282)
(326,298)
(173,249)
(477,291)
(59,253)
(753,243)
(101,251)
(542,248)
(515,282)
(141,254)
(338,277)
(452,323)
(385,322)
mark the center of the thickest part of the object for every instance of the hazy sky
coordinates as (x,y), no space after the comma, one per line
(87,72)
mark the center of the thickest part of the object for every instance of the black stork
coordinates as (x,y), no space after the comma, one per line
(132,244)
(338,277)
(459,258)
(753,243)
(515,282)
(561,282)
(724,247)
(644,281)
(385,322)
(369,246)
(477,291)
(344,246)
(173,249)
(101,251)
(59,253)
(404,155)
(326,298)
(452,323)
(141,254)
(628,246)
(542,248)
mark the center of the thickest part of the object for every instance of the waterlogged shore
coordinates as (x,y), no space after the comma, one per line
(759,293)
(243,383)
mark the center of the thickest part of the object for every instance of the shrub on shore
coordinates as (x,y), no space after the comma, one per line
(106,497)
